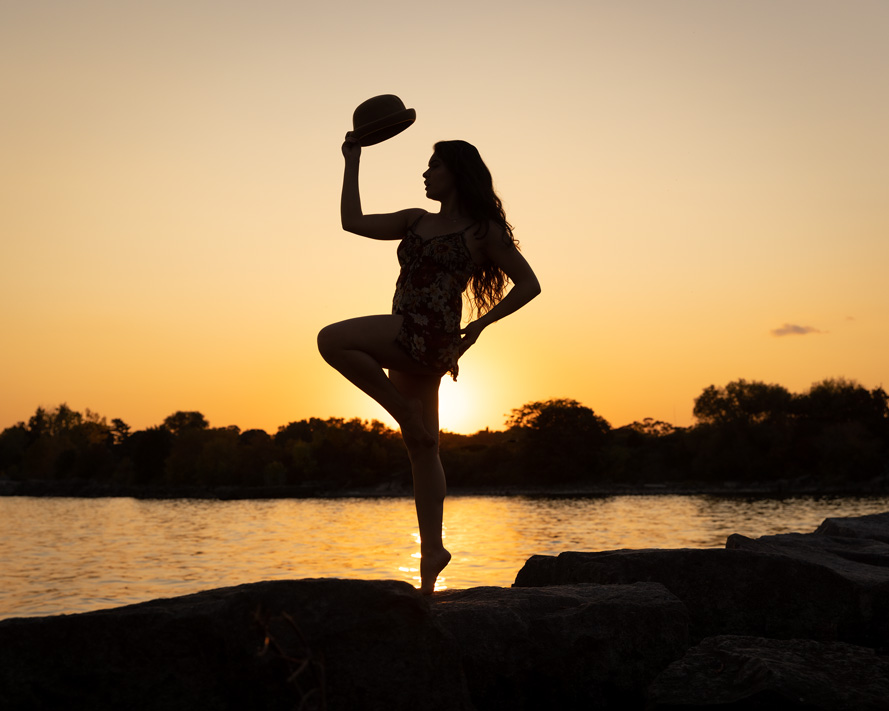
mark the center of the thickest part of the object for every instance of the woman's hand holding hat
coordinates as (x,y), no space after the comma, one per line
(351,147)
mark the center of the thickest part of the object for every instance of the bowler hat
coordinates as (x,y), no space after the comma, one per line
(380,118)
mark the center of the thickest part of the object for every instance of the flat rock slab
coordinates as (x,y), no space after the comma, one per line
(308,644)
(744,673)
(862,560)
(726,591)
(874,527)
(567,647)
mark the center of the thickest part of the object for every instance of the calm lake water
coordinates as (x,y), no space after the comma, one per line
(73,555)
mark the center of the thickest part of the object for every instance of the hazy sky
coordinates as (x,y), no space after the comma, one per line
(702,187)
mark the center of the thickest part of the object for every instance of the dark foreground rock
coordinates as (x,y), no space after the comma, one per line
(349,644)
(566,647)
(309,644)
(752,673)
(857,605)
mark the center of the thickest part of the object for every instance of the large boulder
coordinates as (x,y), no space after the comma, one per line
(862,613)
(742,673)
(309,644)
(737,592)
(812,586)
(574,646)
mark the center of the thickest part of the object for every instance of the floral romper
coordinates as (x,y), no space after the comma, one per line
(429,294)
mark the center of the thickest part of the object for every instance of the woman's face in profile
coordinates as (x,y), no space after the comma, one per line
(438,179)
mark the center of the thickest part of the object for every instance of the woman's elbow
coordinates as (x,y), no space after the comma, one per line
(349,225)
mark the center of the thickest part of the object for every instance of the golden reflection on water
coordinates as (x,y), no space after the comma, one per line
(73,555)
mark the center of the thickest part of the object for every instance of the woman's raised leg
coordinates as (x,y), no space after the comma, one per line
(360,348)
(428,474)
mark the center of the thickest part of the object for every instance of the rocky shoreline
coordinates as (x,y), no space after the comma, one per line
(793,621)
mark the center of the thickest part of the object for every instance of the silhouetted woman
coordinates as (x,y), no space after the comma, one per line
(467,243)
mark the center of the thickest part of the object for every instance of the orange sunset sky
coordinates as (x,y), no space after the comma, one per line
(702,187)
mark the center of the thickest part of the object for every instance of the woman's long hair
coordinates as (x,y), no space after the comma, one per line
(475,189)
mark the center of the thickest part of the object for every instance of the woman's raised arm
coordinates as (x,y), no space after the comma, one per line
(391,225)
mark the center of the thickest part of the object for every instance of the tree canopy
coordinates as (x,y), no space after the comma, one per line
(836,433)
(742,402)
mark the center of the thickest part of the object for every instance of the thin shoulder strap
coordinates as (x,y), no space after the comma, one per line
(416,222)
(477,226)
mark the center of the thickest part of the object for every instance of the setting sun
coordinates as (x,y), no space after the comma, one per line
(457,407)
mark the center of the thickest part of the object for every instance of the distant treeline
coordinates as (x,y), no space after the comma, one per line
(835,435)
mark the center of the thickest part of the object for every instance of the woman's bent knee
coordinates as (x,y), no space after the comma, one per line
(420,453)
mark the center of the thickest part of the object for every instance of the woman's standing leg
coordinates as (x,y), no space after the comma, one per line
(359,349)
(430,486)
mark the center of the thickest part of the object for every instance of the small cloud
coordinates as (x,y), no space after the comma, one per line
(791,329)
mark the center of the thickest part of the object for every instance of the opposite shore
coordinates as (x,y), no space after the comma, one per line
(321,490)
